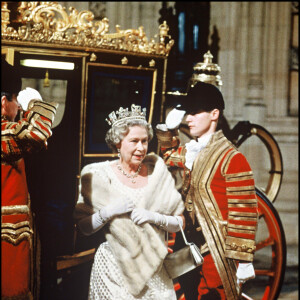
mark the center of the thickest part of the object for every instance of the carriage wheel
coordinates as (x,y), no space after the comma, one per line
(270,256)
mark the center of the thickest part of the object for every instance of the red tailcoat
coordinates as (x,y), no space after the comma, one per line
(17,138)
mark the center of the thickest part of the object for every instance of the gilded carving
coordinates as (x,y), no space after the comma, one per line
(207,71)
(93,57)
(124,60)
(14,209)
(49,22)
(152,63)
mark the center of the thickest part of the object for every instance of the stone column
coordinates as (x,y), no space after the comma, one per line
(276,58)
(230,21)
(254,109)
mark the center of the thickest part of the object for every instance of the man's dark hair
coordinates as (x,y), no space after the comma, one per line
(11,82)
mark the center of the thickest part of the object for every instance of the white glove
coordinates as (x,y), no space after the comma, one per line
(174,118)
(25,96)
(169,223)
(245,272)
(141,215)
(91,224)
(118,207)
(162,127)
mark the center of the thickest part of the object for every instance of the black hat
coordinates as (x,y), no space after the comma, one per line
(11,81)
(203,96)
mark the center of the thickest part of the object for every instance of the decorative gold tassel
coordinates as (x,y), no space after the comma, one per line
(46,80)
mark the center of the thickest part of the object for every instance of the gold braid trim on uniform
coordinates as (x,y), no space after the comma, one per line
(242,218)
(242,205)
(239,255)
(186,182)
(15,226)
(227,160)
(233,189)
(242,227)
(241,193)
(239,176)
(18,240)
(14,233)
(241,201)
(207,210)
(243,214)
(45,109)
(233,229)
(14,209)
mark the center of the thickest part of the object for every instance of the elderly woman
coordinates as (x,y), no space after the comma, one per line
(134,200)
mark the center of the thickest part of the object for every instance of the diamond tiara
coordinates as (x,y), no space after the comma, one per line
(124,114)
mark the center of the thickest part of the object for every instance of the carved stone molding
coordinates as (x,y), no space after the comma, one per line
(48,22)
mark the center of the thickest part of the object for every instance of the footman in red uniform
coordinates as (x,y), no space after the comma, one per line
(219,192)
(28,135)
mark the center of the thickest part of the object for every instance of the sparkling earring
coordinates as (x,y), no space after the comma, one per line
(119,154)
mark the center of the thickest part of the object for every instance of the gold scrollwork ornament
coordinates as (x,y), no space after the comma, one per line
(48,22)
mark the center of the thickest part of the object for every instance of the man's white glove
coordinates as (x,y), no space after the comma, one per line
(162,127)
(26,95)
(117,207)
(169,223)
(174,118)
(245,272)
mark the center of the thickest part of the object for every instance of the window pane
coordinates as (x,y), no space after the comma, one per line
(56,92)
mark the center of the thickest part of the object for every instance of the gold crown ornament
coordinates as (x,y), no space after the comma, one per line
(207,71)
(136,113)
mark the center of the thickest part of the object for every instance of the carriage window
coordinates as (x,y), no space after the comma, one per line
(108,88)
(49,77)
(55,90)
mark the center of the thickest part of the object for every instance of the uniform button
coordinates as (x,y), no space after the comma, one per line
(189,208)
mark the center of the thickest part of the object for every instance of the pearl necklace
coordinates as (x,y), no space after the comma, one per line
(129,175)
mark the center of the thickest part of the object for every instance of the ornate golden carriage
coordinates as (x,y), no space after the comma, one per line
(75,61)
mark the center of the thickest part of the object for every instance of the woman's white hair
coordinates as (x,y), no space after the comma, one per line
(117,133)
